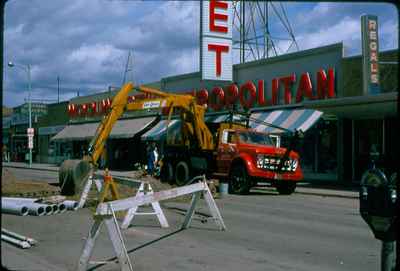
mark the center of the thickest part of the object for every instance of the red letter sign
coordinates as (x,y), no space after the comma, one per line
(288,82)
(232,94)
(325,86)
(216,40)
(261,98)
(217,101)
(251,89)
(305,88)
(218,50)
(202,96)
(218,16)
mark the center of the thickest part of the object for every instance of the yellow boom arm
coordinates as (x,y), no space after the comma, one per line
(103,131)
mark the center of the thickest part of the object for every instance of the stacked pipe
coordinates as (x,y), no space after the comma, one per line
(32,206)
(17,239)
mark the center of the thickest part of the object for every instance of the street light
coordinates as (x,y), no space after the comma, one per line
(26,68)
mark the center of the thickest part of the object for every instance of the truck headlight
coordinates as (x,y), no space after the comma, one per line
(294,165)
(260,161)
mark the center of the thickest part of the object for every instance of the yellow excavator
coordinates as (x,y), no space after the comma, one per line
(73,173)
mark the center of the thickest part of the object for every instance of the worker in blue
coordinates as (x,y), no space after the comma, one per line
(150,158)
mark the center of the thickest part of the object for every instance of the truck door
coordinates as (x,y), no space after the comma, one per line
(226,151)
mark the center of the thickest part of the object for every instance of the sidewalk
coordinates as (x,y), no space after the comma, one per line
(328,190)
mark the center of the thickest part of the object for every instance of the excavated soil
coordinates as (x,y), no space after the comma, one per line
(11,186)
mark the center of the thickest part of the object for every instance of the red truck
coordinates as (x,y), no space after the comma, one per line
(242,157)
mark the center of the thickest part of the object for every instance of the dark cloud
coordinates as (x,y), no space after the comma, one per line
(86,42)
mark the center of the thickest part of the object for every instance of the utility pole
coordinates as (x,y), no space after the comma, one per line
(58,89)
(2,5)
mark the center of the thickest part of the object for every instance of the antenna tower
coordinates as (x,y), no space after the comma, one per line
(261,29)
(128,74)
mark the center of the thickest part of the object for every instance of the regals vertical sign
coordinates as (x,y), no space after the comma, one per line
(216,40)
(370,54)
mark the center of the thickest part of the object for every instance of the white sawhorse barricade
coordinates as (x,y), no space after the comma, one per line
(105,212)
(144,189)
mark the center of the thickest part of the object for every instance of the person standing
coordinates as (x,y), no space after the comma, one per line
(150,159)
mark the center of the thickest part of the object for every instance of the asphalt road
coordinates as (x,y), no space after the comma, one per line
(265,231)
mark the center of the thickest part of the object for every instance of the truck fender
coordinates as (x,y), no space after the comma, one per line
(244,159)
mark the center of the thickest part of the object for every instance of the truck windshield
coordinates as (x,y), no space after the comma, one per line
(255,138)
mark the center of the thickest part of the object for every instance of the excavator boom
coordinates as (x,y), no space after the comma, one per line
(103,131)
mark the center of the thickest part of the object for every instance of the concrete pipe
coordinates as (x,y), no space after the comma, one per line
(71,205)
(71,175)
(55,208)
(61,208)
(38,209)
(15,235)
(13,207)
(14,241)
(22,199)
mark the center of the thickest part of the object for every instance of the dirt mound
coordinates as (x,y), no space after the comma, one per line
(10,185)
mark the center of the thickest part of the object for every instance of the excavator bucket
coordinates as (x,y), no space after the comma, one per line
(71,176)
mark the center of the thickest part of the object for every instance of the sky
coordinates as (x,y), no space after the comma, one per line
(85,43)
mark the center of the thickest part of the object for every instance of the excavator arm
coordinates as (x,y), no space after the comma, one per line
(96,145)
(72,173)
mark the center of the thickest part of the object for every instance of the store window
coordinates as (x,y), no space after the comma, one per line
(318,148)
(368,136)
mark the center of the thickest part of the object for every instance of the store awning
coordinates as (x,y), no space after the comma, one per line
(159,131)
(223,118)
(122,129)
(294,119)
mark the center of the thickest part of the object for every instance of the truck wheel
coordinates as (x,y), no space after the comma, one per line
(182,173)
(286,188)
(239,181)
(167,173)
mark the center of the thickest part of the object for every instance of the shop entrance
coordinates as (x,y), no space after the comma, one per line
(123,153)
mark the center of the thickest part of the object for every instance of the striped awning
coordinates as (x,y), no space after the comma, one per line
(159,131)
(223,118)
(125,128)
(295,119)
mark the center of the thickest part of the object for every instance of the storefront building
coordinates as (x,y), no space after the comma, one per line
(16,130)
(48,126)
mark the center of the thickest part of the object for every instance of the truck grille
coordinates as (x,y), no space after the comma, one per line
(272,163)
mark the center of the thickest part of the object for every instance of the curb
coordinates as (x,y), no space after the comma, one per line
(326,195)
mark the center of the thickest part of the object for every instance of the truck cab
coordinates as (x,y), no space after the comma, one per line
(245,157)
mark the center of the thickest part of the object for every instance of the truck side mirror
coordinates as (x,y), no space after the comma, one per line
(378,203)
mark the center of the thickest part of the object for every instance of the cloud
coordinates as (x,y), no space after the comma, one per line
(389,35)
(347,30)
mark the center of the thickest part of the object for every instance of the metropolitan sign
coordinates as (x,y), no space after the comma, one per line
(216,40)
